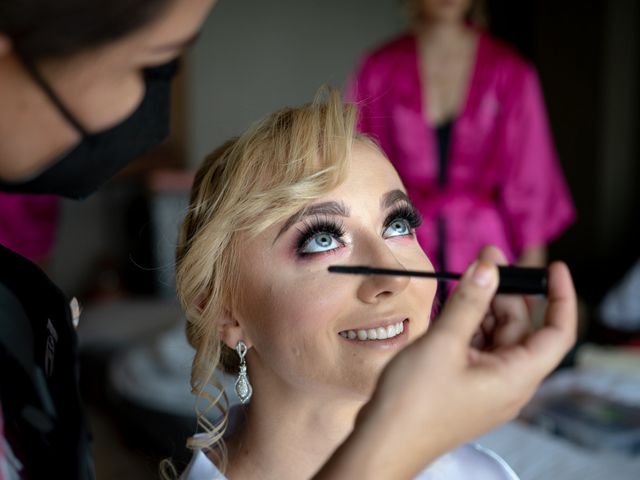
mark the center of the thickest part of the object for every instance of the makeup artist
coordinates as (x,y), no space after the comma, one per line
(84,89)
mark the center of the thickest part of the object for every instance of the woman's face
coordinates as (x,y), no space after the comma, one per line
(112,74)
(444,10)
(103,86)
(331,333)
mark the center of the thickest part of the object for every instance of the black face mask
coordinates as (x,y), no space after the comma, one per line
(99,156)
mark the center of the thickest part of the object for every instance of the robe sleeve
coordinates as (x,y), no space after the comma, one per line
(533,196)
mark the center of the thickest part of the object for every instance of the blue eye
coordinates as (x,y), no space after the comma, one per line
(320,235)
(320,242)
(397,228)
(402,221)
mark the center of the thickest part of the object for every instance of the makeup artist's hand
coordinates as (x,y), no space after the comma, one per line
(440,392)
(508,320)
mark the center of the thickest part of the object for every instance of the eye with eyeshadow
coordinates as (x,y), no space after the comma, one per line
(401,221)
(320,235)
(399,227)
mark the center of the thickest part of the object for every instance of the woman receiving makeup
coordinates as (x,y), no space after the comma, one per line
(343,376)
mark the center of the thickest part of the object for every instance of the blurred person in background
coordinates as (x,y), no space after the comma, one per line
(462,118)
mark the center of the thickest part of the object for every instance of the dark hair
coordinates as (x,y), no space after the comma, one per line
(57,28)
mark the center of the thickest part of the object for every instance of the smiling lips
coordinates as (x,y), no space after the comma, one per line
(379,333)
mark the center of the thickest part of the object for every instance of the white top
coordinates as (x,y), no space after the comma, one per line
(468,461)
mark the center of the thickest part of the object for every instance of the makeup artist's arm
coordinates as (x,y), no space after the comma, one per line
(439,392)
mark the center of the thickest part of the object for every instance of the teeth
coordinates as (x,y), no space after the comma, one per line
(380,333)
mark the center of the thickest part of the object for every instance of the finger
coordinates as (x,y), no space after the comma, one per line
(478,341)
(511,312)
(492,254)
(482,336)
(469,302)
(488,324)
(558,334)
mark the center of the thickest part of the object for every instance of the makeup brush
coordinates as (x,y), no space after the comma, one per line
(513,280)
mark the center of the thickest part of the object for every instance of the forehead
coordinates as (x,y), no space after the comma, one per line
(370,174)
(370,180)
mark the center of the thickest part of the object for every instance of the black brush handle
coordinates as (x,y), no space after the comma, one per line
(523,280)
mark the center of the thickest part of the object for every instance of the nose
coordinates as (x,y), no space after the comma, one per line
(374,288)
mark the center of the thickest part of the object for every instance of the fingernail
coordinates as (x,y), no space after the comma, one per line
(482,274)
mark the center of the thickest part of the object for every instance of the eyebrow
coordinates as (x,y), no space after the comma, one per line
(340,209)
(392,197)
(325,208)
(179,44)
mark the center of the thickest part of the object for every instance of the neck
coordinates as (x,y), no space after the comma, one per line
(289,434)
(442,35)
(31,129)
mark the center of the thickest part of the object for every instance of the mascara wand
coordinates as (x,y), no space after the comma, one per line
(513,280)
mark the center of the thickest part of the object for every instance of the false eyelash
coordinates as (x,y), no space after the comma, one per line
(314,227)
(407,212)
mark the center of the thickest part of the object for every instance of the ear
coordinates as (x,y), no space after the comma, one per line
(5,45)
(231,331)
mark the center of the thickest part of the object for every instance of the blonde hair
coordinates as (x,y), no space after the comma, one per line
(250,183)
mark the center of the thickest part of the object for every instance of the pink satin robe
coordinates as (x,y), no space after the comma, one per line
(504,184)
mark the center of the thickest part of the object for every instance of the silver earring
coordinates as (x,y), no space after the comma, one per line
(243,387)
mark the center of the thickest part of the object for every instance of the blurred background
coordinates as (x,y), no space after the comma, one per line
(114,251)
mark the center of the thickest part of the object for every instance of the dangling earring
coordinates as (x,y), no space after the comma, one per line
(243,387)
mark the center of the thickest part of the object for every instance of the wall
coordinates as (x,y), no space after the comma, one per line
(588,55)
(256,56)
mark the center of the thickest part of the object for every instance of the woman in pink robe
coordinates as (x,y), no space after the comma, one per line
(500,181)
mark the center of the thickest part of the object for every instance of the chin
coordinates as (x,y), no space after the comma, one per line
(368,375)
(445,18)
